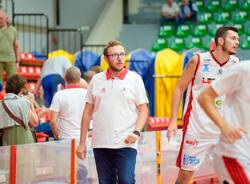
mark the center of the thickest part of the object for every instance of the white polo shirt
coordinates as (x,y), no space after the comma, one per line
(171,10)
(236,85)
(69,103)
(115,107)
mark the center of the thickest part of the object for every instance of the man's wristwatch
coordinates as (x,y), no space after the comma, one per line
(136,132)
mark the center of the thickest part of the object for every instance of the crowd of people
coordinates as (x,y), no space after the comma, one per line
(178,14)
(114,105)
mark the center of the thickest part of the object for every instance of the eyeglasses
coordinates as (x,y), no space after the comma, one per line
(116,55)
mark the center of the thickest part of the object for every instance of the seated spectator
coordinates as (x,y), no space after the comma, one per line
(67,107)
(170,13)
(51,76)
(188,11)
(17,113)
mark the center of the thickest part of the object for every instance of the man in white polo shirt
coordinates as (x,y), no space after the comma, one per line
(67,107)
(116,100)
(232,154)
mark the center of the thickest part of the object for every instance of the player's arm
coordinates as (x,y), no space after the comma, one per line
(186,77)
(206,101)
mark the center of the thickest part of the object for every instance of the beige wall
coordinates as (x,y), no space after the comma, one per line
(109,23)
(133,6)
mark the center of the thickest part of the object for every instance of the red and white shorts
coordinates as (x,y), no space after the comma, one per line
(194,150)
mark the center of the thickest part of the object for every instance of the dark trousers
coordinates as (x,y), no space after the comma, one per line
(45,128)
(50,84)
(115,165)
(164,20)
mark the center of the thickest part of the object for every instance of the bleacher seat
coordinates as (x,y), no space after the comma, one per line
(166,31)
(222,17)
(30,72)
(247,28)
(200,30)
(200,5)
(230,5)
(213,28)
(205,17)
(26,56)
(177,44)
(240,16)
(183,31)
(206,40)
(193,42)
(245,42)
(240,27)
(213,6)
(23,71)
(160,44)
(245,5)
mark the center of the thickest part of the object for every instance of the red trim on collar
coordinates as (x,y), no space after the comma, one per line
(121,75)
(221,64)
(70,86)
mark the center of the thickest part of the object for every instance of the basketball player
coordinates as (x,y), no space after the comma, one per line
(232,153)
(200,134)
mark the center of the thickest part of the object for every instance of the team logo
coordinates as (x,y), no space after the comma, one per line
(192,142)
(190,160)
(218,103)
(205,68)
(123,91)
(234,62)
(220,72)
(207,80)
(103,90)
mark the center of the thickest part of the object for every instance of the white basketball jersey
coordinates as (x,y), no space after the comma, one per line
(208,69)
(236,85)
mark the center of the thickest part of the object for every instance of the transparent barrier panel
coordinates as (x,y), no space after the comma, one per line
(147,147)
(4,164)
(44,163)
(169,151)
(86,170)
(146,166)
